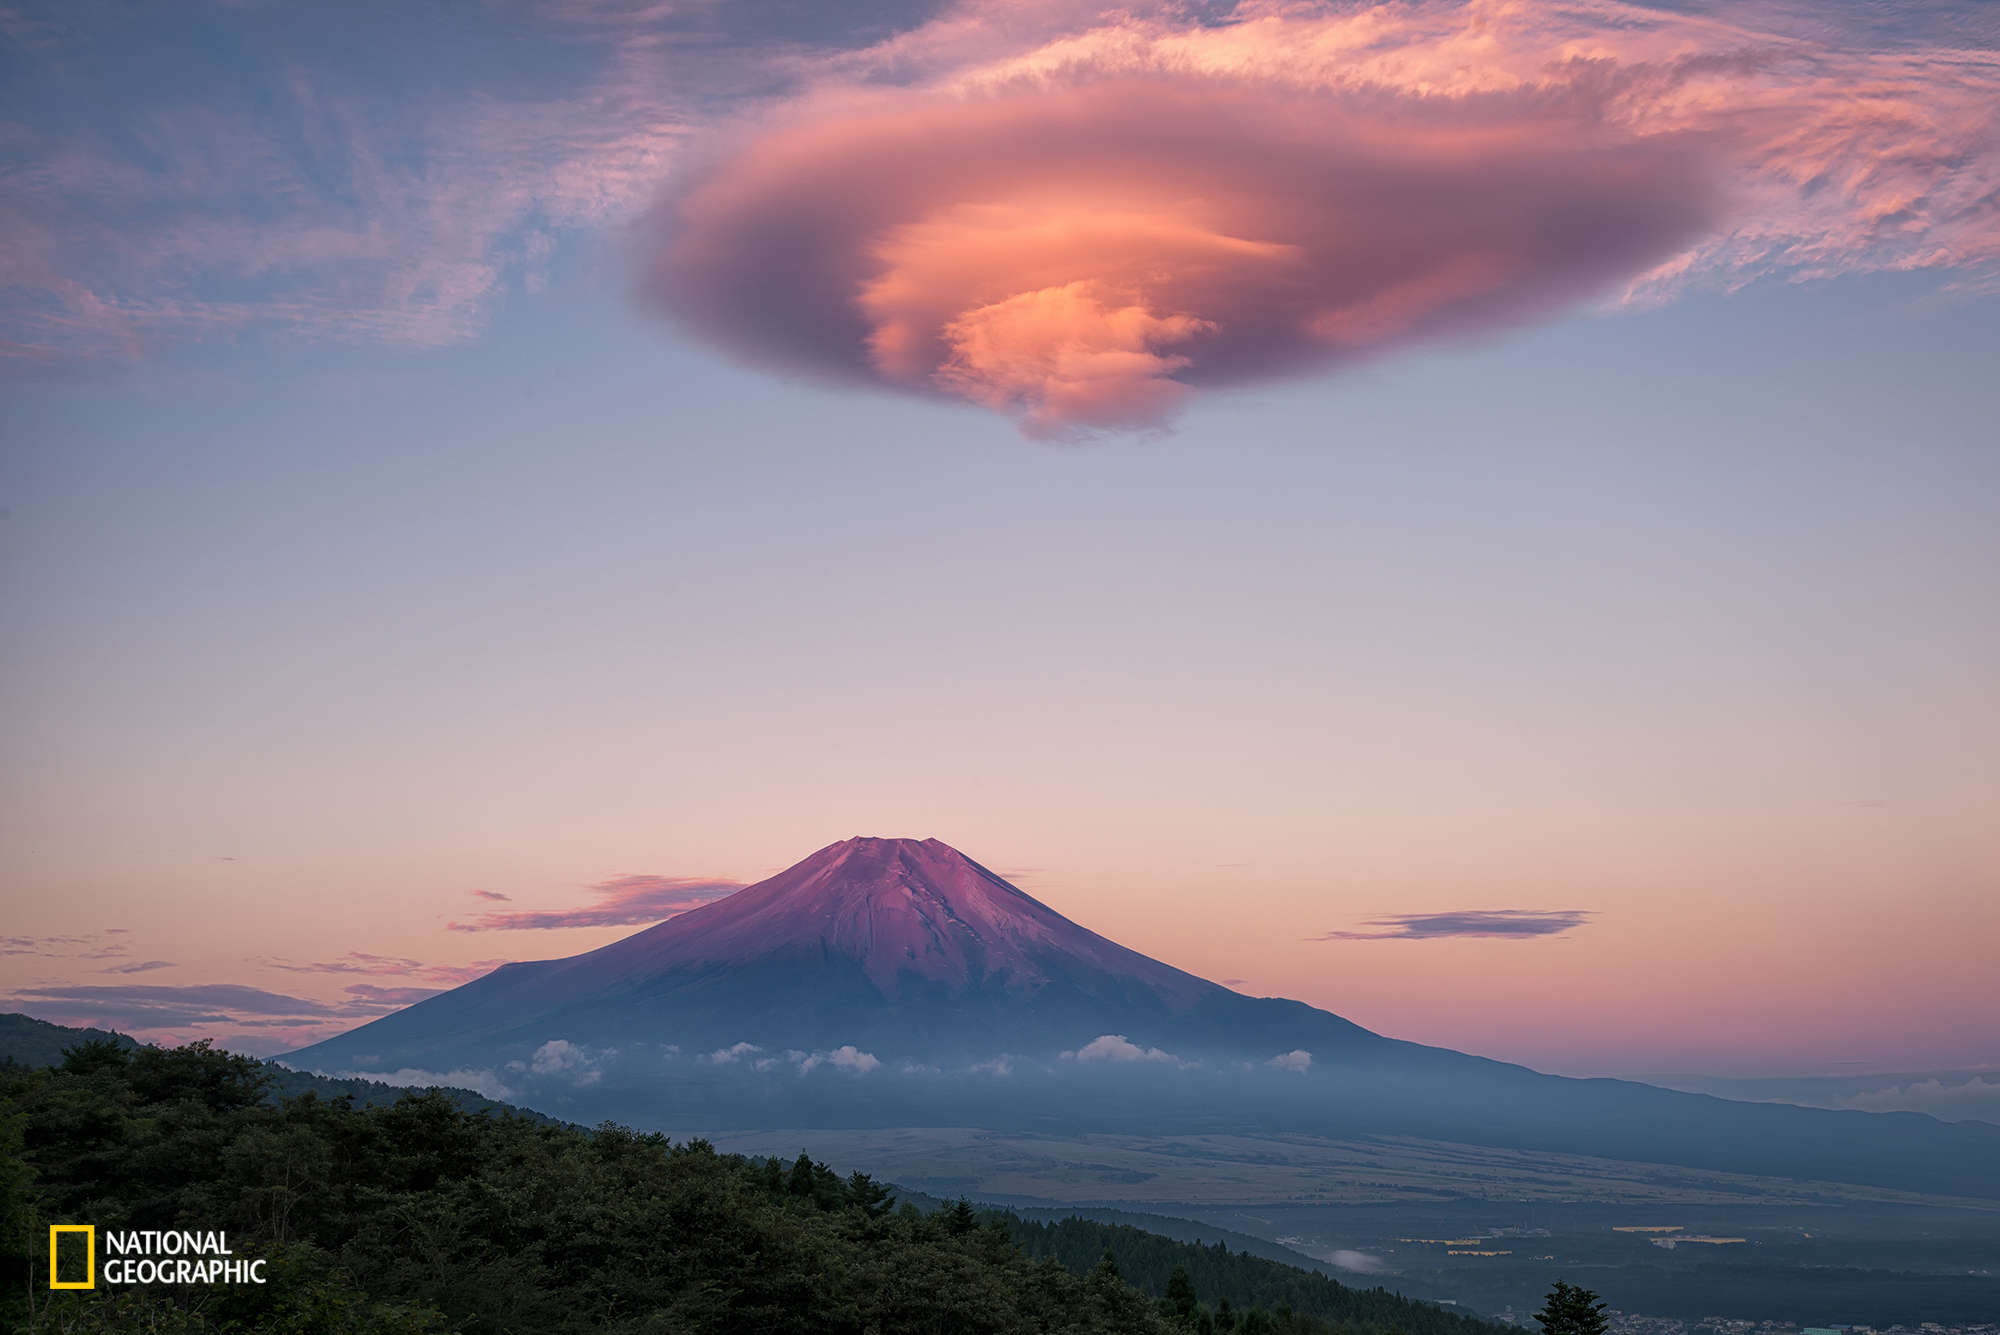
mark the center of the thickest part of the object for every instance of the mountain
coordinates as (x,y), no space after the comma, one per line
(907,944)
(896,982)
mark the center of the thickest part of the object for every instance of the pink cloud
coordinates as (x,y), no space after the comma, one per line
(368,994)
(366,963)
(1082,219)
(621,901)
(1082,256)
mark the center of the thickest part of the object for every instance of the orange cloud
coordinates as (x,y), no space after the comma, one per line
(1081,219)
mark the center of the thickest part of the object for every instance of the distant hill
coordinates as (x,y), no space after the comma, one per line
(32,1042)
(898,983)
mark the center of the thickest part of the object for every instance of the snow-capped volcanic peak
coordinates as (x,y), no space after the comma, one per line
(897,907)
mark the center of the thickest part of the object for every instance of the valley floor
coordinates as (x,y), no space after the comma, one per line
(1701,1253)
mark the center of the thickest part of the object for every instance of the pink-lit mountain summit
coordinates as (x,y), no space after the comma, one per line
(909,913)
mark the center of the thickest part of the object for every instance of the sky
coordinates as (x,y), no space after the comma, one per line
(1481,517)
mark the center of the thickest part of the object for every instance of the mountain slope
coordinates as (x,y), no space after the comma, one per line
(964,1001)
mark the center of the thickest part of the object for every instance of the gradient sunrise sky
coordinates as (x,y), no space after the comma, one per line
(1482,517)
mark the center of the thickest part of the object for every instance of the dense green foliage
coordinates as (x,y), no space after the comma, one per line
(426,1216)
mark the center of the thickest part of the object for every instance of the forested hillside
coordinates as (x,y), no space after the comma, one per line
(425,1216)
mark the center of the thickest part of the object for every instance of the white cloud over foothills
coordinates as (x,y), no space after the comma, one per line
(1118,1048)
(1088,215)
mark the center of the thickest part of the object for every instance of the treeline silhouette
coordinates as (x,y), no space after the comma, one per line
(425,1215)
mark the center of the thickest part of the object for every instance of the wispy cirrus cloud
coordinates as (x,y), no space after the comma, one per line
(383,174)
(1470,922)
(39,945)
(175,1009)
(140,966)
(365,962)
(156,1005)
(368,994)
(83,945)
(622,901)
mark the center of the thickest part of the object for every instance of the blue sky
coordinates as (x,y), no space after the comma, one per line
(381,546)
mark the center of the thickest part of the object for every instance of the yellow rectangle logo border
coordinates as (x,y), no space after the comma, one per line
(89,1232)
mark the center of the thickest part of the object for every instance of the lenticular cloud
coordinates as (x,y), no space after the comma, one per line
(1083,257)
(1084,232)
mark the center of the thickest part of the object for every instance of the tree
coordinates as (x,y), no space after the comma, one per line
(1572,1309)
(959,1218)
(874,1199)
(1181,1297)
(801,1181)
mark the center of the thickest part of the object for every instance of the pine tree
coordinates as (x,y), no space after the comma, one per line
(874,1199)
(1572,1309)
(959,1218)
(1181,1297)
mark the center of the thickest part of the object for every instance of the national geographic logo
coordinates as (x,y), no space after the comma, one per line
(146,1256)
(89,1233)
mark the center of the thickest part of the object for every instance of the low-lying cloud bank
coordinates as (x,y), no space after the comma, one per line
(1118,1048)
(846,1057)
(1080,219)
(1951,1096)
